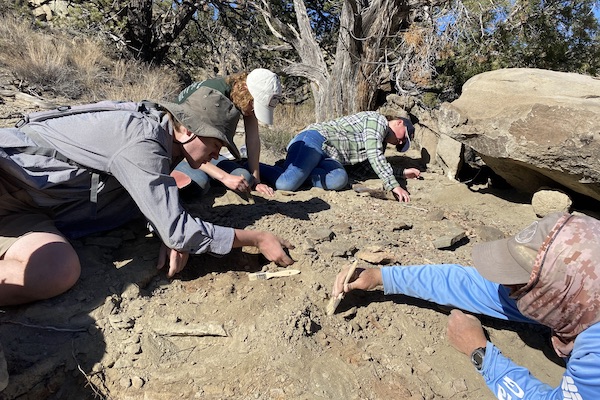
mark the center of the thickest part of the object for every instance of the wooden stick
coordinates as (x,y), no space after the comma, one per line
(334,302)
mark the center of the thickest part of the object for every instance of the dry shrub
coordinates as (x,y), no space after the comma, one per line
(39,61)
(294,116)
(53,64)
(275,139)
(90,62)
(419,49)
(136,82)
(288,121)
(415,36)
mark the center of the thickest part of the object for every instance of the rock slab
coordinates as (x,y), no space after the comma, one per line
(532,127)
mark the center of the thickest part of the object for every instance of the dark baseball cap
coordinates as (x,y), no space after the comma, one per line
(410,134)
(208,113)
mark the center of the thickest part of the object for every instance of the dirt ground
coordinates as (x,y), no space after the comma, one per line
(125,331)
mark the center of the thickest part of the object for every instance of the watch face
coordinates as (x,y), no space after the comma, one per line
(477,358)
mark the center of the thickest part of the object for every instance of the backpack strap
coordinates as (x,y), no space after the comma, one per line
(107,105)
(44,148)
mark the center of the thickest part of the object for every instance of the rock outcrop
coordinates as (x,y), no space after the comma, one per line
(532,127)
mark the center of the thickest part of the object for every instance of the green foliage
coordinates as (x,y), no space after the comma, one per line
(93,16)
(560,35)
(435,50)
(430,100)
(557,35)
(325,15)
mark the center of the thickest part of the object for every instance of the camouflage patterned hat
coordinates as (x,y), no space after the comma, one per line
(563,291)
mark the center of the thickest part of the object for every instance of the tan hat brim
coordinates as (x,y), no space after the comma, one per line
(495,263)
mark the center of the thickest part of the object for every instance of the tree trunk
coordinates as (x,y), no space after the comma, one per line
(359,68)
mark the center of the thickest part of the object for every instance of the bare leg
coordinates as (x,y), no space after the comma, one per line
(38,266)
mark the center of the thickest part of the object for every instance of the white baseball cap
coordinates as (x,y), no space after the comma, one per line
(265,88)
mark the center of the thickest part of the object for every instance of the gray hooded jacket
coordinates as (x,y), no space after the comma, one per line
(131,152)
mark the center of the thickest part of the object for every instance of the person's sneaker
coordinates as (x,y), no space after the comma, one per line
(3,370)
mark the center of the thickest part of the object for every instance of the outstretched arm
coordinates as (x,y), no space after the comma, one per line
(507,380)
(271,246)
(232,182)
(442,284)
(253,148)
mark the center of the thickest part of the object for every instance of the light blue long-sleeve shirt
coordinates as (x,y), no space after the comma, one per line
(507,380)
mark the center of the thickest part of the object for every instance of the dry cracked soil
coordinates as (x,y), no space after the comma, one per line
(125,331)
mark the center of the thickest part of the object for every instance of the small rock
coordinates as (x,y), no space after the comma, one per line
(488,233)
(401,226)
(131,291)
(459,385)
(137,382)
(97,367)
(133,348)
(435,215)
(321,235)
(342,228)
(351,313)
(423,368)
(119,322)
(123,363)
(125,382)
(111,305)
(546,201)
(337,249)
(453,236)
(381,257)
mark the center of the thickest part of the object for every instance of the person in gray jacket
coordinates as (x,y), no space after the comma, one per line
(80,173)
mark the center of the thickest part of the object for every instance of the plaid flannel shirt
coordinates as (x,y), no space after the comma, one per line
(356,138)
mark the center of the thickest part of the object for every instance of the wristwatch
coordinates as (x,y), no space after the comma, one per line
(477,357)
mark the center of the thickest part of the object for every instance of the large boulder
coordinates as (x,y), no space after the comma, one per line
(532,127)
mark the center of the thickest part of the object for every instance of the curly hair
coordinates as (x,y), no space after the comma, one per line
(240,96)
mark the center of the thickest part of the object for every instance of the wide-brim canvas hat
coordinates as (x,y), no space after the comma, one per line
(510,261)
(208,113)
(265,88)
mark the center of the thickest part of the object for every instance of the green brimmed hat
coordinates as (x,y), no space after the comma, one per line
(208,113)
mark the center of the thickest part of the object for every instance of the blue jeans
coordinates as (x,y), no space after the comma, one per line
(306,162)
(202,179)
